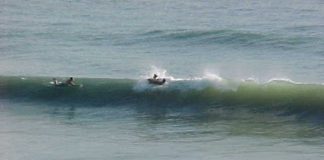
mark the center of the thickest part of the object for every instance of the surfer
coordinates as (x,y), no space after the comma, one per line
(55,81)
(155,76)
(70,82)
(156,81)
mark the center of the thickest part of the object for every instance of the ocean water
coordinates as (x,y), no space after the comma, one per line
(244,79)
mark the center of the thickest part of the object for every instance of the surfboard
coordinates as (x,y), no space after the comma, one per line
(156,81)
(66,85)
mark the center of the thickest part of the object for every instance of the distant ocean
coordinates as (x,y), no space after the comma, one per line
(244,79)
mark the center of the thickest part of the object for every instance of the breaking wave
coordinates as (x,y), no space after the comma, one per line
(275,95)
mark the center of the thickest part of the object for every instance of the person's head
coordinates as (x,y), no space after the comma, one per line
(71,78)
(154,75)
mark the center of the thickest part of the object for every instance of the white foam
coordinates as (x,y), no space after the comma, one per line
(207,80)
(212,76)
(156,70)
(283,80)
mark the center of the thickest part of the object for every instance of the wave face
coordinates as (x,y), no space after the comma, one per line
(277,95)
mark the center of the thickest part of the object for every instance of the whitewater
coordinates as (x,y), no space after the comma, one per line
(244,79)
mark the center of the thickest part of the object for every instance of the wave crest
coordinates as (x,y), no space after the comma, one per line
(225,37)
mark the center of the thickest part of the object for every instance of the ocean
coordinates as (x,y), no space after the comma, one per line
(244,79)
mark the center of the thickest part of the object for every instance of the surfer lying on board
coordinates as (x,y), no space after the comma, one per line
(156,81)
(68,82)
